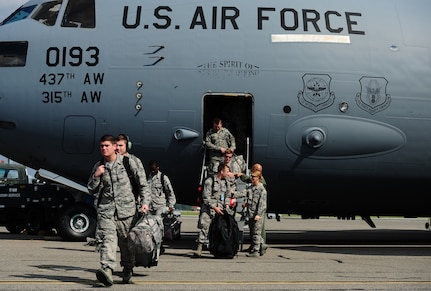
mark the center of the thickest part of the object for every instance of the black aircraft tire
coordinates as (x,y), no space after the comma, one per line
(77,222)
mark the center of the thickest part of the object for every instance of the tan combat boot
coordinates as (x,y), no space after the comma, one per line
(198,252)
(104,275)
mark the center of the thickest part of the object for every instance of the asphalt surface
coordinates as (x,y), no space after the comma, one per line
(323,254)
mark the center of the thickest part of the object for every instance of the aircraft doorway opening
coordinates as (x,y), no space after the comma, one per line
(236,111)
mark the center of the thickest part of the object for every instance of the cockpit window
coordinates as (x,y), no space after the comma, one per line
(80,13)
(19,14)
(13,53)
(48,12)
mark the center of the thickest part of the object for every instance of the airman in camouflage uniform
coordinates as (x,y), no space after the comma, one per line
(216,195)
(116,206)
(247,179)
(123,147)
(256,200)
(162,195)
(217,140)
(236,165)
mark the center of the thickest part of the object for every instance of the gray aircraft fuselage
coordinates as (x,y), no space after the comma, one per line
(333,98)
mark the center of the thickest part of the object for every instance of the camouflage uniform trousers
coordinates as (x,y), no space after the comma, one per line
(214,162)
(157,213)
(113,232)
(262,234)
(256,233)
(204,222)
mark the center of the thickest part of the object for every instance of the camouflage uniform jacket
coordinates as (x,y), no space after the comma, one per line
(216,194)
(115,188)
(216,139)
(256,200)
(158,197)
(237,164)
(137,161)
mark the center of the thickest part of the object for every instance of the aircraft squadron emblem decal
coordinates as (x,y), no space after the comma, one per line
(373,97)
(316,94)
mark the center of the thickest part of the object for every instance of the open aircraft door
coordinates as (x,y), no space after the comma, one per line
(236,111)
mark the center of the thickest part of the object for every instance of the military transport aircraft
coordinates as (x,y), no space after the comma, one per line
(332,97)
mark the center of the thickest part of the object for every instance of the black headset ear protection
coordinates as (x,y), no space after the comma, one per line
(128,142)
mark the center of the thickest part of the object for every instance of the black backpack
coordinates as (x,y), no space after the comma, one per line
(223,236)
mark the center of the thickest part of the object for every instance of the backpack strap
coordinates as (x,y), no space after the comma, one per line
(135,187)
(101,162)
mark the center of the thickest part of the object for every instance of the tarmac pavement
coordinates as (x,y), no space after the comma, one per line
(323,254)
